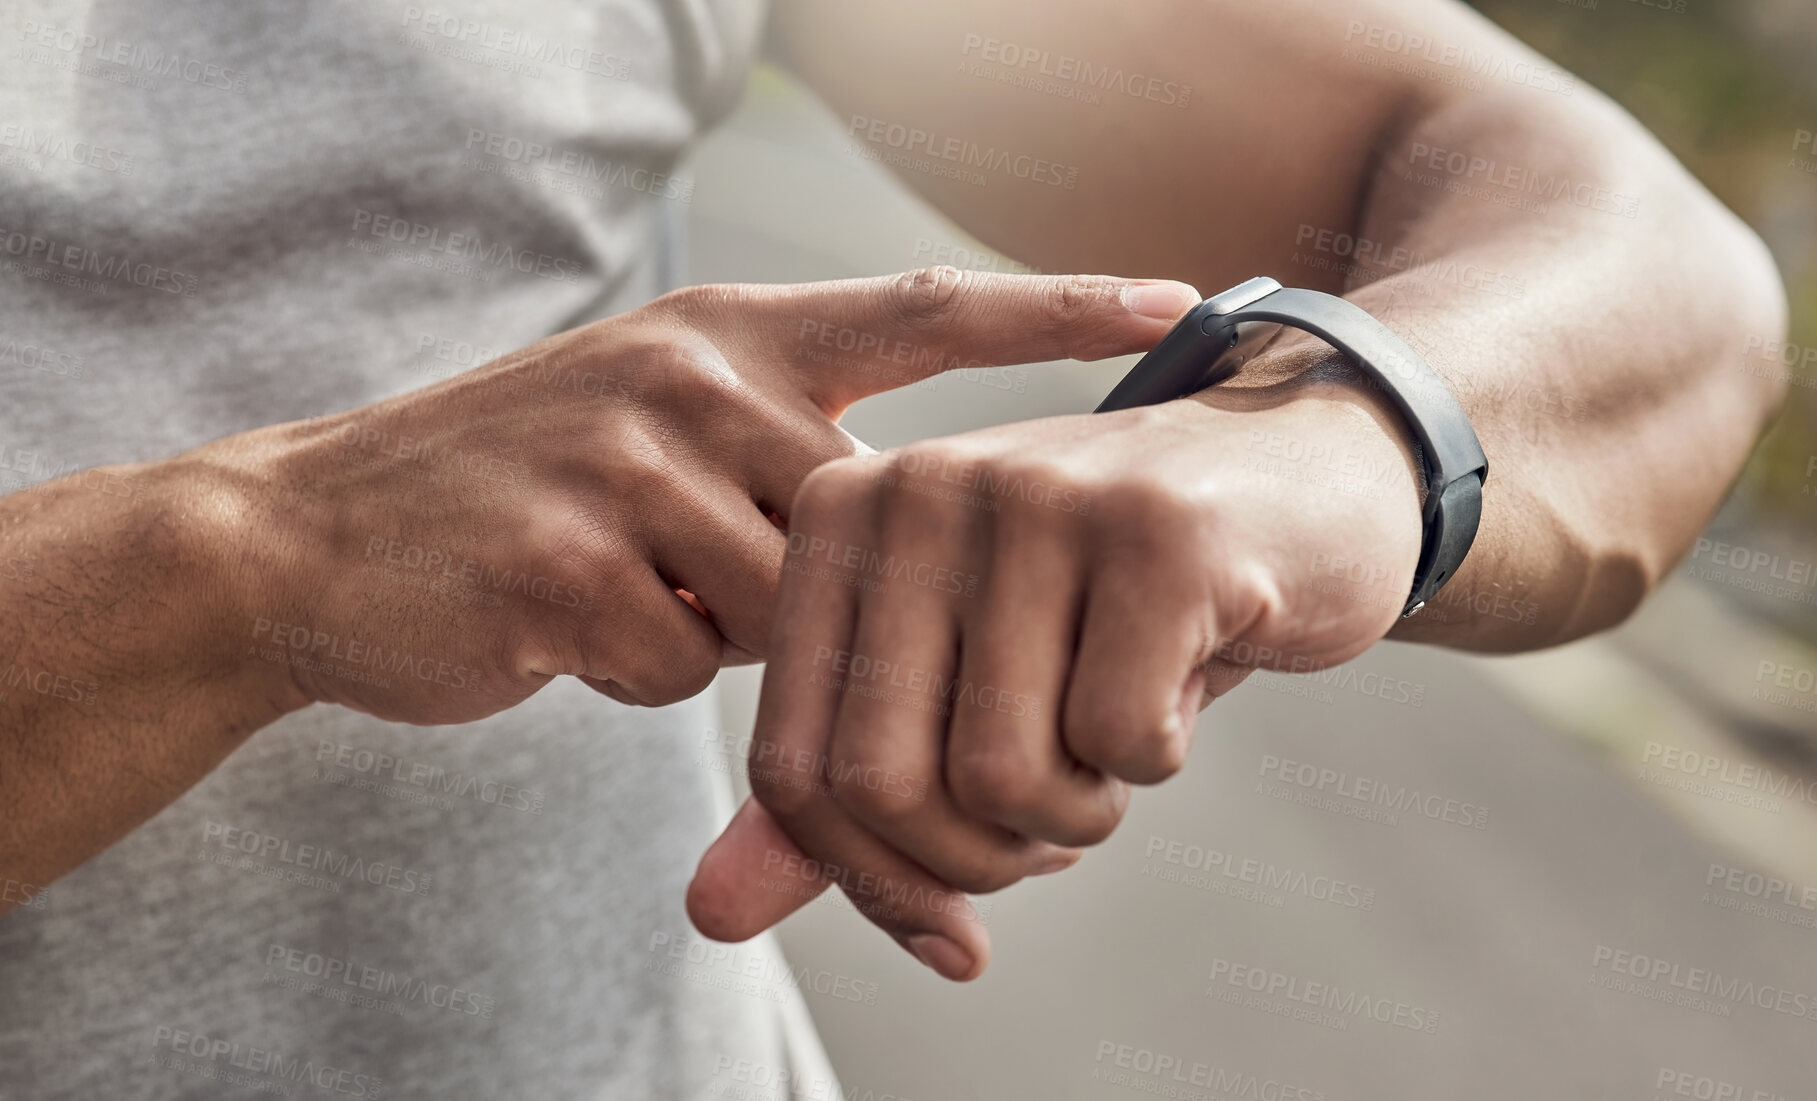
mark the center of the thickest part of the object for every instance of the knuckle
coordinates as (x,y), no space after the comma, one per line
(1073,300)
(682,672)
(1158,523)
(697,300)
(1143,507)
(1097,732)
(1089,830)
(801,441)
(785,792)
(829,492)
(855,787)
(643,469)
(638,461)
(1122,741)
(913,467)
(993,785)
(1043,486)
(529,648)
(1074,307)
(1163,758)
(927,296)
(692,374)
(981,876)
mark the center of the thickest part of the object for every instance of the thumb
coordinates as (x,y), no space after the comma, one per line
(750,878)
(851,338)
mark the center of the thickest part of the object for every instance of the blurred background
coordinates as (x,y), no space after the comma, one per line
(1589,872)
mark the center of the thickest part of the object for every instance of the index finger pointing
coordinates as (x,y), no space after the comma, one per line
(851,338)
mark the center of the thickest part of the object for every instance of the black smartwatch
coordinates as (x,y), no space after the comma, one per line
(1200,352)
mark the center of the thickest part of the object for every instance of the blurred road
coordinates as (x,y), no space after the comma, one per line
(1420,876)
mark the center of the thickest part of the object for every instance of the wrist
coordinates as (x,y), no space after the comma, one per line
(1330,446)
(1339,413)
(240,557)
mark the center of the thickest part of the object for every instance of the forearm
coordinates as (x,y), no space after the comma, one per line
(1589,303)
(1594,334)
(124,676)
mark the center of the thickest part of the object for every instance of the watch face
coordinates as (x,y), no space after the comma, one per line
(1189,359)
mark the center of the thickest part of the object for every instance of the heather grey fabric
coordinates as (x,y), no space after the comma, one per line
(217,216)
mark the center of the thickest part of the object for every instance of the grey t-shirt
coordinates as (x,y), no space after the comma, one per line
(219,216)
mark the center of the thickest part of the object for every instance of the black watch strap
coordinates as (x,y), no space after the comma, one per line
(1189,359)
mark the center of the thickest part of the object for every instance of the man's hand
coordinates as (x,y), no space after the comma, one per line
(983,639)
(628,521)
(599,504)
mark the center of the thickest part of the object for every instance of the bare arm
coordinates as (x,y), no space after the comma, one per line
(1587,299)
(153,616)
(1391,149)
(120,682)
